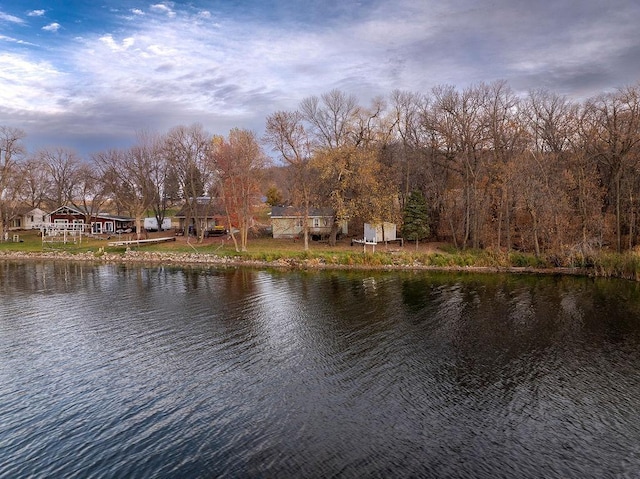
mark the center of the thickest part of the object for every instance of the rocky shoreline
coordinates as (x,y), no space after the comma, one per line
(203,259)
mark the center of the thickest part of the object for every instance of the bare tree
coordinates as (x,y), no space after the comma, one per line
(507,140)
(551,120)
(126,172)
(406,111)
(611,129)
(160,176)
(62,165)
(11,153)
(91,191)
(36,184)
(372,126)
(459,123)
(187,151)
(331,118)
(286,134)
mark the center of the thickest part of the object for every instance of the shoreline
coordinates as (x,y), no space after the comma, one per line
(204,259)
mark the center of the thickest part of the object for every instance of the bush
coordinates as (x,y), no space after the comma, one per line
(523,260)
(625,265)
(439,260)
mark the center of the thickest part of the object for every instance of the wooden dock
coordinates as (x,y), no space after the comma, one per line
(364,242)
(142,241)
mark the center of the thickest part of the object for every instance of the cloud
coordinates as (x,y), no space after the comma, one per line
(36,13)
(52,27)
(5,38)
(234,65)
(164,8)
(10,18)
(114,46)
(29,85)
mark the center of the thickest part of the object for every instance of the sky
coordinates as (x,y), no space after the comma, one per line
(90,74)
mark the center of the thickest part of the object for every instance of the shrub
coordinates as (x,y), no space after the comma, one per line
(525,260)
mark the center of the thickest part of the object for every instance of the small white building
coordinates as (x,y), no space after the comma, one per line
(380,232)
(28,218)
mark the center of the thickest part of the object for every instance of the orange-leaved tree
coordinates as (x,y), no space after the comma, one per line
(239,162)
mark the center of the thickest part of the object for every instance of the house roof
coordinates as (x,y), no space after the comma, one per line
(297,212)
(72,209)
(25,210)
(107,216)
(78,210)
(202,210)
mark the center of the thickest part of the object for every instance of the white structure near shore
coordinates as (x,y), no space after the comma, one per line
(380,232)
(28,219)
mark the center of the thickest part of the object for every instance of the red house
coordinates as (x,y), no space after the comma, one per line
(76,218)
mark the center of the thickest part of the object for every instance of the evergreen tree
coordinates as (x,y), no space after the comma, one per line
(416,218)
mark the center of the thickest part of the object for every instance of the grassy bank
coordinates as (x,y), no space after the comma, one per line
(291,254)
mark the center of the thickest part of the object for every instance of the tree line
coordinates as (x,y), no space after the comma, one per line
(187,166)
(537,173)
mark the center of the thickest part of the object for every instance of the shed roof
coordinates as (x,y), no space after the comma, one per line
(297,212)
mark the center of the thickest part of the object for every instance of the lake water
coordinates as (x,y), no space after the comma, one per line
(122,371)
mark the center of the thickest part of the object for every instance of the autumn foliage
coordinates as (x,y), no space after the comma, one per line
(500,170)
(238,162)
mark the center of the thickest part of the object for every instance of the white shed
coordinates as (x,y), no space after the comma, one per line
(380,232)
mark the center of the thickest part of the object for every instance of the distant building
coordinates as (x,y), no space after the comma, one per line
(205,213)
(27,218)
(288,221)
(75,218)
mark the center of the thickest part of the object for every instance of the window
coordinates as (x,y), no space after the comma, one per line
(316,222)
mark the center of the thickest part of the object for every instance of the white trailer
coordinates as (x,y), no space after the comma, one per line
(151,224)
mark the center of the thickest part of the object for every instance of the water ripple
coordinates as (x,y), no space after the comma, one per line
(152,372)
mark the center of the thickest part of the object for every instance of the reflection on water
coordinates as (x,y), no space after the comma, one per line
(123,371)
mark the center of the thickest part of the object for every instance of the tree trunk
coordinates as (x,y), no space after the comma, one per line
(499,226)
(333,235)
(536,242)
(467,217)
(233,236)
(453,232)
(305,227)
(631,221)
(618,227)
(139,225)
